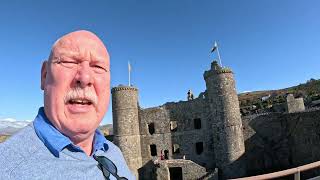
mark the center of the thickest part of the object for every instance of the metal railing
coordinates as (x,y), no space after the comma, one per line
(296,171)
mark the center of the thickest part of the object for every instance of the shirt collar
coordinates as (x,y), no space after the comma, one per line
(55,141)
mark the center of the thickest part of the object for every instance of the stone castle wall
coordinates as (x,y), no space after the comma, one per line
(280,141)
(193,126)
(174,127)
(161,137)
(274,141)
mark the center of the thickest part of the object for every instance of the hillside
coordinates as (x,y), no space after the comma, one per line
(310,91)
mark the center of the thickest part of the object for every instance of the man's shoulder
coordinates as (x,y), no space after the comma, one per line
(112,148)
(26,138)
(18,148)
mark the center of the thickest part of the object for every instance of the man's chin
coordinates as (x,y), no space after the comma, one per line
(81,131)
(82,123)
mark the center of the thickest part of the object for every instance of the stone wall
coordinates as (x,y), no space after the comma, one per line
(161,137)
(190,170)
(184,135)
(188,134)
(273,141)
(280,141)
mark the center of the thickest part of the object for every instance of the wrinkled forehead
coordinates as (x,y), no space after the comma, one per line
(80,45)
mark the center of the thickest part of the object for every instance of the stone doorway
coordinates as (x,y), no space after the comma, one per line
(175,173)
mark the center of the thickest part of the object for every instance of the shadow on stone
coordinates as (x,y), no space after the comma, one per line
(280,141)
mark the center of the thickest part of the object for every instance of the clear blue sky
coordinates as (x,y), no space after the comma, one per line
(269,44)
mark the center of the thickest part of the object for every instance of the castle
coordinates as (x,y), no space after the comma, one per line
(207,138)
(206,130)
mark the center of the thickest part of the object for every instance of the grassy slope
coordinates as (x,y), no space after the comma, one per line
(309,90)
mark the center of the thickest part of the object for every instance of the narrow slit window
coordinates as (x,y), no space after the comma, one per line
(199,147)
(166,154)
(153,150)
(197,123)
(151,128)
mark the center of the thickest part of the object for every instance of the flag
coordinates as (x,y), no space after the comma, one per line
(129,67)
(214,47)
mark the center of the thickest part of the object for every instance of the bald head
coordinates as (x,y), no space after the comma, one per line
(76,41)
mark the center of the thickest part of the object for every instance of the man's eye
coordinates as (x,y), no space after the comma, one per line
(99,69)
(68,64)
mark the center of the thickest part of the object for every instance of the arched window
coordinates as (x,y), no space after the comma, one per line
(151,128)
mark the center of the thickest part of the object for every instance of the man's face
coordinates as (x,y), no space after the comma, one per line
(76,84)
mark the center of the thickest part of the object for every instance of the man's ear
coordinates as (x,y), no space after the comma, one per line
(44,73)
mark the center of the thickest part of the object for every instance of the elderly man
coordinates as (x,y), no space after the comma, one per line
(63,141)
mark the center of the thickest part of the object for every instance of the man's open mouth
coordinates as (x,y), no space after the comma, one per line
(80,101)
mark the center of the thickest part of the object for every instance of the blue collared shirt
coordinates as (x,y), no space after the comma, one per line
(55,141)
(40,151)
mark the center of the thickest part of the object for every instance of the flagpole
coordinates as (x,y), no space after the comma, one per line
(129,72)
(219,55)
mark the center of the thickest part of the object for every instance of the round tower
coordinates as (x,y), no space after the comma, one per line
(226,122)
(126,125)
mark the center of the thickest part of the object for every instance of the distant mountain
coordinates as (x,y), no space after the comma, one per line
(9,126)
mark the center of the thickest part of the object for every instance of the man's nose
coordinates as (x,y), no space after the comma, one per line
(84,76)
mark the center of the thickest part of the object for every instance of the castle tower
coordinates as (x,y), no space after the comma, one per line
(126,125)
(226,122)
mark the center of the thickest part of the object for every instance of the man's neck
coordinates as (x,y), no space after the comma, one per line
(86,144)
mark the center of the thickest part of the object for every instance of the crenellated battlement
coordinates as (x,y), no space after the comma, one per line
(121,88)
